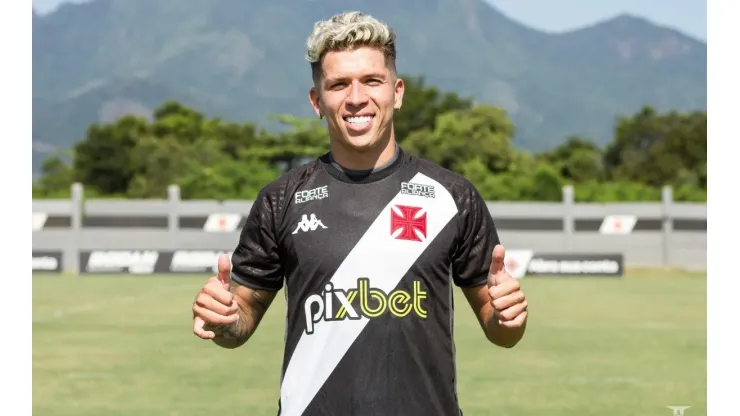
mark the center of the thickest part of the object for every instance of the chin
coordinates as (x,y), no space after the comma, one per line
(364,142)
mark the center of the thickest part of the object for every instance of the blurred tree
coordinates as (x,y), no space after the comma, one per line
(228,179)
(659,149)
(157,162)
(305,139)
(422,104)
(103,160)
(56,179)
(577,160)
(459,136)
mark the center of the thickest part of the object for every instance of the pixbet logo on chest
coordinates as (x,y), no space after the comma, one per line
(373,303)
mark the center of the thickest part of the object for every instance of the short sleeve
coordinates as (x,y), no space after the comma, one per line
(256,261)
(477,237)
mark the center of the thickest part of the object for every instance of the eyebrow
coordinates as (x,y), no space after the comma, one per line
(372,75)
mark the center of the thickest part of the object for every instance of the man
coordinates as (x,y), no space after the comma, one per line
(367,242)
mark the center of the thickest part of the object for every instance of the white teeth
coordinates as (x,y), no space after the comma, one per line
(358,120)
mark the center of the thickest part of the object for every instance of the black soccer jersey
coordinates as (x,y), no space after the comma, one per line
(368,266)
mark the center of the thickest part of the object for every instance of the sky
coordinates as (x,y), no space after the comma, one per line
(687,16)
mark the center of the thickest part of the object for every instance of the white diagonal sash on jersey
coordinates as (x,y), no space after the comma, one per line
(385,261)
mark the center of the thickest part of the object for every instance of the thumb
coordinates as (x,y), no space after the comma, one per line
(497,265)
(224,269)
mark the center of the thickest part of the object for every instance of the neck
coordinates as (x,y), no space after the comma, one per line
(368,159)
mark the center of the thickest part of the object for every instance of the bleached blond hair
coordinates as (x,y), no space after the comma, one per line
(347,31)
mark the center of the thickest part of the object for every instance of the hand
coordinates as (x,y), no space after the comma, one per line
(507,299)
(215,305)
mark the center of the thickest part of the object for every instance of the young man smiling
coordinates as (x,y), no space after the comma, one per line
(368,242)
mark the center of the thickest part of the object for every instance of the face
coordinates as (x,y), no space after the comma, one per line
(357,94)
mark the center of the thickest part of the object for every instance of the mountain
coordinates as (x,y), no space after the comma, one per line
(244,59)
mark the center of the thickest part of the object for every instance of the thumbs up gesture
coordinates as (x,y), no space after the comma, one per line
(508,300)
(214,306)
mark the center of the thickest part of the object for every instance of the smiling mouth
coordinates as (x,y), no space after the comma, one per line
(358,124)
(358,120)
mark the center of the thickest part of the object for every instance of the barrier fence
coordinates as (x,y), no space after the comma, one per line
(181,236)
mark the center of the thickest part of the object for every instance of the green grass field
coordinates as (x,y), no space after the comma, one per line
(595,346)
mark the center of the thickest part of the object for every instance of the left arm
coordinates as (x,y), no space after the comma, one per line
(477,267)
(500,328)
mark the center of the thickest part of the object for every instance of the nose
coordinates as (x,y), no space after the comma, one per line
(356,95)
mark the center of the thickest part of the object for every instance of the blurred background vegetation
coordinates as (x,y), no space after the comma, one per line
(211,158)
(130,96)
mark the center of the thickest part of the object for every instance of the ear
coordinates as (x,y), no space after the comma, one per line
(315,100)
(398,89)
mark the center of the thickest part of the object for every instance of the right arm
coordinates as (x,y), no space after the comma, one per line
(256,273)
(252,306)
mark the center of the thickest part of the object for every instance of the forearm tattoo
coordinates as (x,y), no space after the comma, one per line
(251,311)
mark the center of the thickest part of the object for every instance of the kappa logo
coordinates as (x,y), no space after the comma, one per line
(309,225)
(373,303)
(408,223)
(417,189)
(312,194)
